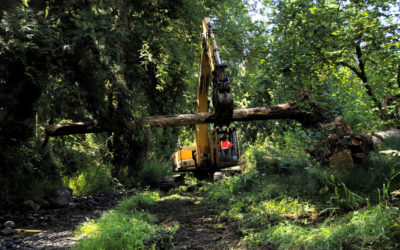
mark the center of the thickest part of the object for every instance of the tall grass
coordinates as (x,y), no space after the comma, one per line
(295,204)
(128,226)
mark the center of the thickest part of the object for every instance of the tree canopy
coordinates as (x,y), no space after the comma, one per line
(113,61)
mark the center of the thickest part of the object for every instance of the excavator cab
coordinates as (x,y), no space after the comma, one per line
(225,151)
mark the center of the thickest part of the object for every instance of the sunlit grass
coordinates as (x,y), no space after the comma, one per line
(372,229)
(93,179)
(129,226)
(312,207)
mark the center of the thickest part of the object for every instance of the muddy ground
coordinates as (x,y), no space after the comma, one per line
(200,226)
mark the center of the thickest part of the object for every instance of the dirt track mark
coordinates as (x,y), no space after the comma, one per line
(199,225)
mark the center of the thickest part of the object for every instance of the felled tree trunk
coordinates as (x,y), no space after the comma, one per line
(309,117)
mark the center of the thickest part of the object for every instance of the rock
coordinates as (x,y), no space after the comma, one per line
(32,205)
(18,241)
(218,176)
(41,202)
(377,141)
(59,197)
(7,231)
(30,217)
(9,223)
(97,214)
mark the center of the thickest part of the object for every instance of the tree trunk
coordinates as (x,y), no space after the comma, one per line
(310,117)
(3,113)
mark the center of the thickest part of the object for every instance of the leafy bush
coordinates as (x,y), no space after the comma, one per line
(308,206)
(279,156)
(26,171)
(139,200)
(42,186)
(93,179)
(152,171)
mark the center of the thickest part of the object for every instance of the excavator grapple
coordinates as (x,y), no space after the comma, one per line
(222,96)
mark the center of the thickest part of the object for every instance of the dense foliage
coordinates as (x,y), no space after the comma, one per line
(113,61)
(108,62)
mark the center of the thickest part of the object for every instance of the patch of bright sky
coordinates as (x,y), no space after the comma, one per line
(258,11)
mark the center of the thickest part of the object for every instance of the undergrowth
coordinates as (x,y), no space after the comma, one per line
(129,226)
(292,203)
(91,180)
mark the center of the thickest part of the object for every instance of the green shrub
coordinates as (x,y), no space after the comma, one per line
(152,171)
(285,209)
(26,171)
(42,186)
(93,179)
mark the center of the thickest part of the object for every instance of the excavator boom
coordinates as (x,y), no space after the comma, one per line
(221,88)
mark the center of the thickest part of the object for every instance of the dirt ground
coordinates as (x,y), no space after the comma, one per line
(57,225)
(200,226)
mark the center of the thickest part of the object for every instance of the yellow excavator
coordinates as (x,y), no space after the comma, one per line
(209,154)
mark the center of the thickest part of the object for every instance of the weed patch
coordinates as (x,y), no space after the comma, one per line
(294,204)
(372,229)
(129,226)
(93,179)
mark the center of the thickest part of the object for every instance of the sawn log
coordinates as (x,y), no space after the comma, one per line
(309,117)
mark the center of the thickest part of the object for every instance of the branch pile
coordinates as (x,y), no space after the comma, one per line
(342,148)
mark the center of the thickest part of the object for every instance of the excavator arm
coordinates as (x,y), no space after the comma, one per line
(221,88)
(211,67)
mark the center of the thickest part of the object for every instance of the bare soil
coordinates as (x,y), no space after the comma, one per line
(56,225)
(200,226)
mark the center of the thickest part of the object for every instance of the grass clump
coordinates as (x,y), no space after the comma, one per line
(91,180)
(371,229)
(128,226)
(295,204)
